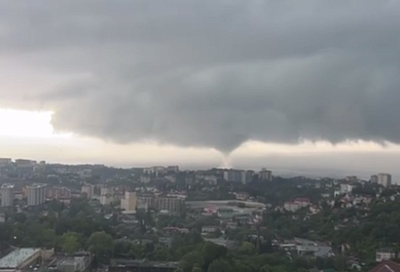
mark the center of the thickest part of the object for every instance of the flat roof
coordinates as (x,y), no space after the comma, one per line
(16,257)
(36,185)
(71,260)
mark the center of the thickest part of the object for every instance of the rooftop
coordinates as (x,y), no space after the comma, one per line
(7,185)
(36,185)
(387,266)
(71,260)
(16,257)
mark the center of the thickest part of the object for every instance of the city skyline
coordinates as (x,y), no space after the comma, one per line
(312,159)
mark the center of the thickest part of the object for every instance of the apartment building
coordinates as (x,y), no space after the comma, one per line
(7,195)
(384,179)
(129,203)
(233,175)
(36,194)
(88,189)
(167,203)
(265,174)
(171,204)
(57,192)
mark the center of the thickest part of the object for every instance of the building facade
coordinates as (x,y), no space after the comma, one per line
(165,203)
(74,263)
(106,199)
(105,190)
(384,179)
(233,175)
(346,188)
(36,194)
(384,254)
(88,189)
(7,195)
(58,192)
(129,203)
(265,174)
(171,204)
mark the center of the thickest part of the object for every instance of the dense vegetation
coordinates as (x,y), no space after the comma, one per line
(83,226)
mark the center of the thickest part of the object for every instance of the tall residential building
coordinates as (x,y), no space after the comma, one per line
(7,195)
(374,179)
(233,175)
(36,194)
(384,179)
(129,202)
(88,189)
(249,175)
(265,174)
(171,204)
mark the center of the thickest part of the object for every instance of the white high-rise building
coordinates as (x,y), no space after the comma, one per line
(7,195)
(129,202)
(36,194)
(384,179)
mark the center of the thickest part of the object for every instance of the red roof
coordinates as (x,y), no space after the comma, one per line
(386,266)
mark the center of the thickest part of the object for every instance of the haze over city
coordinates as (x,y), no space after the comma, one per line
(298,86)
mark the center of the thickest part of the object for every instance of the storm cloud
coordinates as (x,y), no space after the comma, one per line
(208,73)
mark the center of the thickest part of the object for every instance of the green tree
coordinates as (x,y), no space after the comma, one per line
(240,267)
(247,248)
(266,268)
(47,238)
(100,244)
(190,260)
(160,253)
(70,242)
(122,247)
(137,251)
(279,268)
(193,238)
(340,263)
(211,252)
(220,266)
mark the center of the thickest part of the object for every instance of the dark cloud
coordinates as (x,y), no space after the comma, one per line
(213,73)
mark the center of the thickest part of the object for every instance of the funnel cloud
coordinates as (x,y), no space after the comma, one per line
(207,73)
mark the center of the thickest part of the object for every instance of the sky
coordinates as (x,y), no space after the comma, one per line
(310,85)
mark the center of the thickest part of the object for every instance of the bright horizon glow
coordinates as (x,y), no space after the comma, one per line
(21,123)
(29,134)
(37,124)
